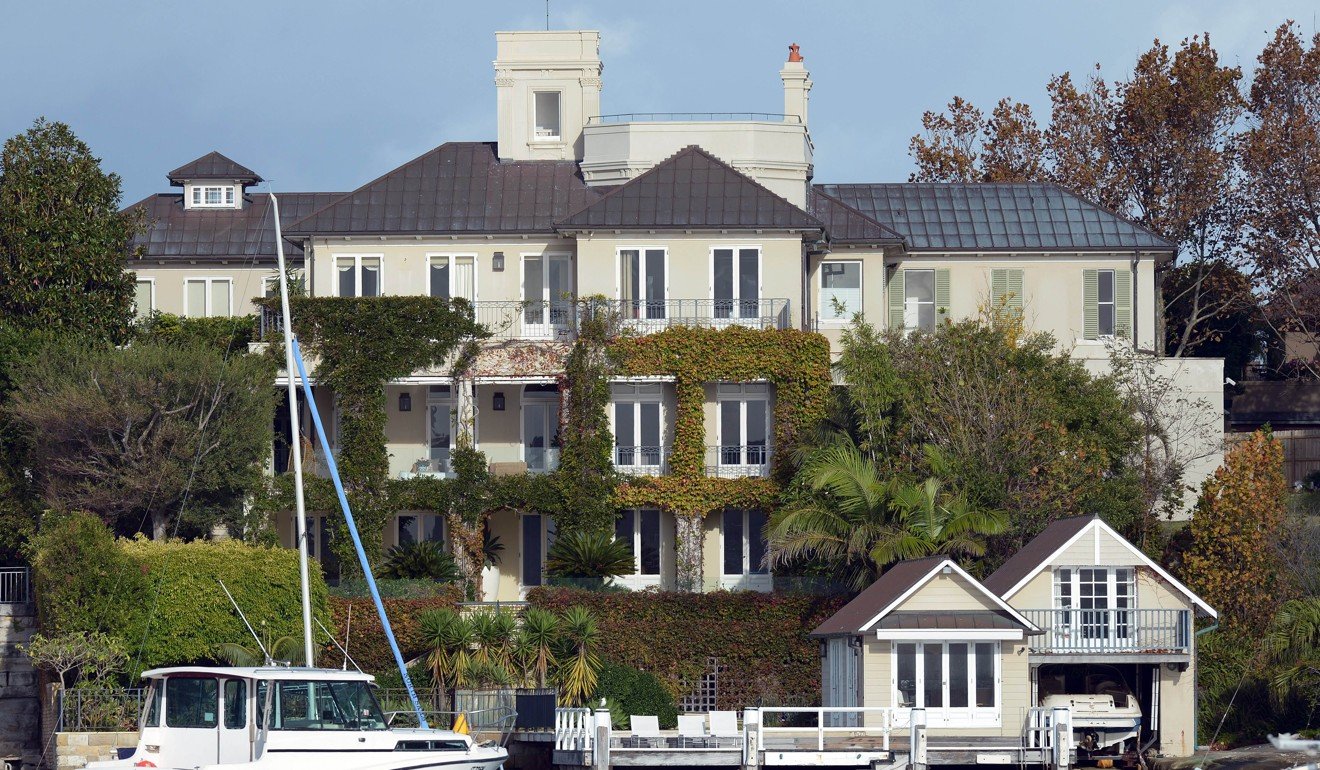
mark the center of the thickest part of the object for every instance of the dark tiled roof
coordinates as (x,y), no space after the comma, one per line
(246,233)
(691,189)
(213,165)
(1278,403)
(459,187)
(1025,561)
(846,224)
(963,620)
(883,592)
(994,217)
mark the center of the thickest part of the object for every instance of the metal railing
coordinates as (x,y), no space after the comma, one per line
(90,711)
(15,585)
(1111,630)
(270,323)
(729,461)
(641,460)
(655,117)
(789,726)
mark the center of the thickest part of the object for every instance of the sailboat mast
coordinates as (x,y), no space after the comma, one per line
(295,446)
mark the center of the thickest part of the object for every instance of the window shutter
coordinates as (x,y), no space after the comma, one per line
(896,300)
(998,287)
(1090,304)
(1123,303)
(942,293)
(1015,290)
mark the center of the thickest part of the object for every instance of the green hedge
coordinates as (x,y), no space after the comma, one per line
(760,639)
(163,598)
(636,692)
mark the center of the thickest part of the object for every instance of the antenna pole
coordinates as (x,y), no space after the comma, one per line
(295,447)
(547,15)
(264,652)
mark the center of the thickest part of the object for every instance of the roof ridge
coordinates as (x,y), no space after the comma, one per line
(620,187)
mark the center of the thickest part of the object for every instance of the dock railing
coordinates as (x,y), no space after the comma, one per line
(790,727)
(1111,630)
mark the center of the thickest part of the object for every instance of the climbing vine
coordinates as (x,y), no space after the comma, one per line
(586,478)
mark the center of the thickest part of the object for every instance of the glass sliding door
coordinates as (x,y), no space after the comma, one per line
(540,415)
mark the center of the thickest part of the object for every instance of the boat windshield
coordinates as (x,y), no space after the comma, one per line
(322,705)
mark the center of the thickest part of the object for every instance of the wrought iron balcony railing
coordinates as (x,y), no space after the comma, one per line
(734,462)
(1111,631)
(641,460)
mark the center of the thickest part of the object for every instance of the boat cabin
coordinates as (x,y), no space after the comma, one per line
(1079,617)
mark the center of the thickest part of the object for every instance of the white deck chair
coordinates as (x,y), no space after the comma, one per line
(723,726)
(692,729)
(645,730)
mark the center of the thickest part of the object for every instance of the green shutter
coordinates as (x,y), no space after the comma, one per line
(1006,290)
(1090,304)
(896,300)
(1015,290)
(998,287)
(1123,303)
(942,293)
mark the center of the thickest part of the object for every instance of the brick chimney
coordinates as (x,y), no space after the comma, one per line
(797,85)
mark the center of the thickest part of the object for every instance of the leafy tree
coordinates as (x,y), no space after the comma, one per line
(589,555)
(1281,166)
(89,658)
(856,522)
(84,582)
(63,239)
(1240,513)
(1158,147)
(149,433)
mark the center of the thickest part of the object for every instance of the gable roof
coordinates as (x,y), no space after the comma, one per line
(213,165)
(691,189)
(1058,536)
(846,224)
(247,233)
(892,588)
(995,217)
(456,188)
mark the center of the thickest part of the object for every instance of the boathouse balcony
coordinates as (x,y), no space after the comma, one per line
(1120,632)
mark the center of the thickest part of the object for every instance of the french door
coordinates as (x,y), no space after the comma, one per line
(1094,605)
(547,295)
(736,283)
(643,284)
(958,683)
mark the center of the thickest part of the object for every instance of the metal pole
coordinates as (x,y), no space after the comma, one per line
(295,448)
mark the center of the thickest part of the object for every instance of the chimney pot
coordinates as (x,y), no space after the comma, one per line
(793,52)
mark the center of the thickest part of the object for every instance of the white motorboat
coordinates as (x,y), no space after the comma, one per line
(278,718)
(1100,721)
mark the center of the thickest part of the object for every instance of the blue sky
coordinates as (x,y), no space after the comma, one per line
(328,95)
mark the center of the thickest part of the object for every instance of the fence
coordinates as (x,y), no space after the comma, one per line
(99,711)
(1074,630)
(15,585)
(1301,451)
(487,711)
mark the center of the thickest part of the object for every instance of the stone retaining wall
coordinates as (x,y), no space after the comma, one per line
(77,749)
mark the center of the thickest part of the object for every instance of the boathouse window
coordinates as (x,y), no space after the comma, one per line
(191,702)
(958,682)
(1094,603)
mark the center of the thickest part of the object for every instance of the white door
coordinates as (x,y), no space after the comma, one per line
(192,720)
(547,295)
(235,740)
(736,285)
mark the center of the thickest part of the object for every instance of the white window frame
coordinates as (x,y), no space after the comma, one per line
(725,391)
(421,518)
(644,321)
(447,401)
(745,580)
(137,311)
(270,286)
(1070,618)
(549,329)
(1112,303)
(551,451)
(736,318)
(912,305)
(207,311)
(536,136)
(638,580)
(228,196)
(638,394)
(357,272)
(970,716)
(451,255)
(820,292)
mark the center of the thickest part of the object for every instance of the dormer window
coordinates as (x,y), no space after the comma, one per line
(547,115)
(213,196)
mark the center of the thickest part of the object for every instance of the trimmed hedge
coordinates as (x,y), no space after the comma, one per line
(636,692)
(366,639)
(760,639)
(163,598)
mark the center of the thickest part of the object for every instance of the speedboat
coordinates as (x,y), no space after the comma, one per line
(1100,721)
(285,718)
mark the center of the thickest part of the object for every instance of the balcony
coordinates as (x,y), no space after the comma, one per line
(726,461)
(641,460)
(1107,632)
(435,467)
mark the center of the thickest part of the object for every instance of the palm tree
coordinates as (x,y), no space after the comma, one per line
(589,555)
(858,523)
(424,559)
(282,649)
(535,643)
(450,637)
(1294,641)
(578,675)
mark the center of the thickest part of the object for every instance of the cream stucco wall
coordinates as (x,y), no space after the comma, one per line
(168,280)
(526,62)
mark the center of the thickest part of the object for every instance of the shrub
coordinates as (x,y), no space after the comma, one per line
(84,581)
(589,555)
(366,639)
(636,692)
(423,559)
(226,334)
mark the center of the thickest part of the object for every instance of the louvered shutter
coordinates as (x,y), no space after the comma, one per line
(1006,290)
(896,300)
(1090,304)
(942,293)
(1015,290)
(998,287)
(1123,303)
